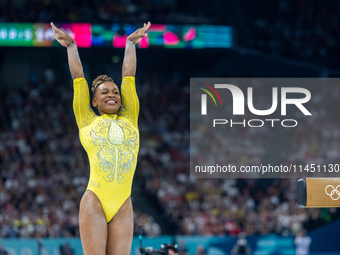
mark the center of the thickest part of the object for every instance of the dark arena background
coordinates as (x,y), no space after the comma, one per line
(44,170)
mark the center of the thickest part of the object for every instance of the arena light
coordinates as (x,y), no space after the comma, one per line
(114,35)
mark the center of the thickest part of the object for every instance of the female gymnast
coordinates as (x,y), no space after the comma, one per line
(111,141)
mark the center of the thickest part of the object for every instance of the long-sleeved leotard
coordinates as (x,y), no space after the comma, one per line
(111,142)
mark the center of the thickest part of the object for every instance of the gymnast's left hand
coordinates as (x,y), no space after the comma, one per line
(139,34)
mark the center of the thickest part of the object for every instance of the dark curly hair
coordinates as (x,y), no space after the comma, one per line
(99,80)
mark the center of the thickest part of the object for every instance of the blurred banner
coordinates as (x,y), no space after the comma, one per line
(98,35)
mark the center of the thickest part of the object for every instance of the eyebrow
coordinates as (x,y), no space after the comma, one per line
(108,89)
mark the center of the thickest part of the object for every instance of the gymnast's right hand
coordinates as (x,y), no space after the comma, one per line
(63,38)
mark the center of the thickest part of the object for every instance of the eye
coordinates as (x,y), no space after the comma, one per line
(104,92)
(117,92)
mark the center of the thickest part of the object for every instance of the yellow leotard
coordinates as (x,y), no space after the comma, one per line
(111,143)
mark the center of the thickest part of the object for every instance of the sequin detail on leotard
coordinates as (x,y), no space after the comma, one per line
(115,155)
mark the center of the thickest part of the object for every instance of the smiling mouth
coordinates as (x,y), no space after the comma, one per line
(111,102)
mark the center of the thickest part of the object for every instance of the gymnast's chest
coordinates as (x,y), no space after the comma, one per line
(108,132)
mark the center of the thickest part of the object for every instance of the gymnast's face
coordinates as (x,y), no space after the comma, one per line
(107,98)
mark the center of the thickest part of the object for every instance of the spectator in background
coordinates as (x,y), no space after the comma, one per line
(66,249)
(302,242)
(182,250)
(171,248)
(2,251)
(200,250)
(241,246)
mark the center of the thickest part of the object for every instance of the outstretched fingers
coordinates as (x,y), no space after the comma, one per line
(54,28)
(55,31)
(61,36)
(146,27)
(139,34)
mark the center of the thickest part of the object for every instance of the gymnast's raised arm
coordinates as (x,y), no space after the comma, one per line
(129,63)
(67,41)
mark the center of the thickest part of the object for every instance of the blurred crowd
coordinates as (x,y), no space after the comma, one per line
(231,206)
(253,206)
(45,170)
(122,11)
(316,138)
(293,28)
